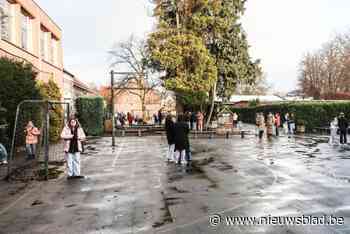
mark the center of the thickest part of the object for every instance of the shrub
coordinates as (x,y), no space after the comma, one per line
(90,112)
(312,114)
(17,81)
(50,91)
(3,127)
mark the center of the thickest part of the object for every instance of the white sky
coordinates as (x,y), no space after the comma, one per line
(279,32)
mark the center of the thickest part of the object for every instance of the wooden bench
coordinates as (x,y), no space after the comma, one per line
(322,129)
(138,131)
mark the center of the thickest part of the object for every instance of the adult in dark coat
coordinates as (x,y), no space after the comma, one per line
(193,119)
(170,135)
(160,117)
(181,138)
(343,127)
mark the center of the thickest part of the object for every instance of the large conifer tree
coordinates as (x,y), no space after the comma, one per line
(216,23)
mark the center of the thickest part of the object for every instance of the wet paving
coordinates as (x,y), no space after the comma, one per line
(131,189)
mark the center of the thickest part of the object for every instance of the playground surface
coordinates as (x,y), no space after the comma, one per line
(131,189)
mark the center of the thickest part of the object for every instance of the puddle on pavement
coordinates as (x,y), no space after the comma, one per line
(111,196)
(53,173)
(222,166)
(203,162)
(201,150)
(177,190)
(86,189)
(234,194)
(171,201)
(37,203)
(166,217)
(198,171)
(177,173)
(194,170)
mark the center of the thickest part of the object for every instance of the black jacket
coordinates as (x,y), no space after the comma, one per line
(193,117)
(181,136)
(343,123)
(170,131)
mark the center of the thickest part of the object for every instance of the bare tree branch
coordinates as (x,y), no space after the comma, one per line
(133,53)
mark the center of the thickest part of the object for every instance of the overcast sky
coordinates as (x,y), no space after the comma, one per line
(279,32)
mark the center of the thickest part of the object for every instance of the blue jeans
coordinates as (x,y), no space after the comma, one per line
(188,155)
(73,163)
(31,150)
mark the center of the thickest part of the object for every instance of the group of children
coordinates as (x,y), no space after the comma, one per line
(272,124)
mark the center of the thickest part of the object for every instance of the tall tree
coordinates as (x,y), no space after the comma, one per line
(216,22)
(17,84)
(325,72)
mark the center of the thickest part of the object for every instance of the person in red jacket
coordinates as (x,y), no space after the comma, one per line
(277,123)
(130,118)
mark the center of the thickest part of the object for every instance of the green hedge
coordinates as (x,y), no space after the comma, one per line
(314,114)
(90,111)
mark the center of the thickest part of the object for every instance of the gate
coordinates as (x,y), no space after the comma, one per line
(49,118)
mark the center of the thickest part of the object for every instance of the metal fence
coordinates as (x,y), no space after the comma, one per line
(20,165)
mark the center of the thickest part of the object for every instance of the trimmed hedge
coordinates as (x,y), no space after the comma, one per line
(314,114)
(90,112)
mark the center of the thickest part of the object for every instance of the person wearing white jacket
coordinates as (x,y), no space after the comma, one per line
(334,129)
(73,135)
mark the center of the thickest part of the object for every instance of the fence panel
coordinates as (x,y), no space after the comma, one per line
(28,161)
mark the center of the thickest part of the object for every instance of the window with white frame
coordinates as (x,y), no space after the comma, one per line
(54,51)
(24,31)
(45,41)
(51,48)
(42,44)
(5,20)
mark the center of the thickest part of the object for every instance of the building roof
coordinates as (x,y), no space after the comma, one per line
(42,9)
(80,84)
(248,98)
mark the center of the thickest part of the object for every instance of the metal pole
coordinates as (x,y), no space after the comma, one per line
(13,141)
(112,108)
(68,111)
(47,136)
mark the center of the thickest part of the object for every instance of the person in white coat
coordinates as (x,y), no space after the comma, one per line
(73,135)
(334,129)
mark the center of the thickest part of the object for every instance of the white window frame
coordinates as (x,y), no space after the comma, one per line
(5,9)
(51,49)
(25,21)
(42,44)
(55,51)
(45,46)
